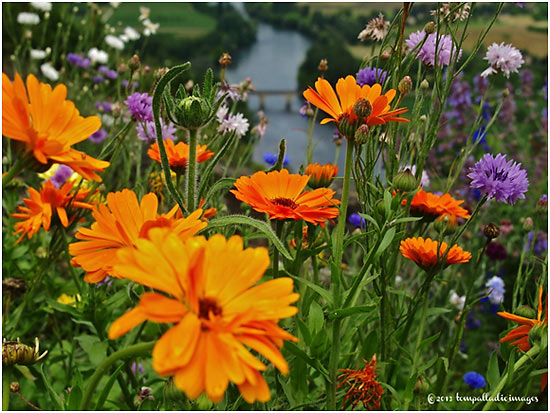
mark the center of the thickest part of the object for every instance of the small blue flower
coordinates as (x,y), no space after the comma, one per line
(271,159)
(357,221)
(474,380)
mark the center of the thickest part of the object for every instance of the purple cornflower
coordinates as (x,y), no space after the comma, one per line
(98,79)
(541,243)
(147,131)
(271,159)
(496,251)
(134,86)
(305,108)
(99,136)
(61,175)
(137,368)
(474,380)
(104,70)
(503,58)
(500,179)
(370,76)
(104,106)
(78,60)
(140,106)
(357,221)
(445,48)
(106,281)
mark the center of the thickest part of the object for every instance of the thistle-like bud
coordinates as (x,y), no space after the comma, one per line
(224,60)
(404,181)
(526,311)
(491,231)
(160,72)
(14,387)
(14,352)
(193,112)
(123,67)
(424,85)
(405,85)
(505,93)
(346,128)
(362,134)
(386,54)
(528,224)
(323,66)
(542,204)
(429,28)
(134,63)
(362,108)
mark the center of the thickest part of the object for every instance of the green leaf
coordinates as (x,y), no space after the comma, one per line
(319,290)
(212,163)
(429,340)
(437,311)
(74,398)
(493,374)
(207,85)
(287,391)
(510,369)
(370,219)
(316,318)
(259,225)
(387,204)
(428,364)
(51,392)
(221,184)
(385,243)
(346,312)
(280,159)
(107,388)
(25,371)
(294,349)
(407,219)
(94,348)
(304,331)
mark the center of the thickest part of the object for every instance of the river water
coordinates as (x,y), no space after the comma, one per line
(272,63)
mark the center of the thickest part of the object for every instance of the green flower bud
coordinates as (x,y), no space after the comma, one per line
(14,352)
(405,85)
(193,112)
(346,128)
(491,231)
(526,311)
(404,181)
(134,63)
(429,28)
(424,85)
(528,224)
(203,402)
(362,134)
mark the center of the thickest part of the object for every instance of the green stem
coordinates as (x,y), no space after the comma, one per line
(336,276)
(278,230)
(6,389)
(14,170)
(309,147)
(192,170)
(527,356)
(132,351)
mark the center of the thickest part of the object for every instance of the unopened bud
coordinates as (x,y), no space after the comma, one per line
(385,55)
(424,85)
(405,85)
(404,181)
(147,69)
(362,134)
(160,72)
(122,68)
(421,385)
(323,65)
(362,108)
(491,231)
(345,127)
(505,93)
(134,63)
(528,224)
(14,387)
(423,118)
(429,28)
(309,112)
(224,60)
(542,204)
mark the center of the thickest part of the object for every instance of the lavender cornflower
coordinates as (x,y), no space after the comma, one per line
(357,220)
(62,173)
(147,131)
(305,109)
(370,76)
(271,159)
(133,86)
(541,243)
(104,70)
(495,290)
(502,180)
(104,106)
(474,380)
(98,79)
(99,136)
(137,368)
(526,77)
(504,58)
(445,48)
(78,60)
(140,106)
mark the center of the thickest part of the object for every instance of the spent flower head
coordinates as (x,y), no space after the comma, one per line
(503,58)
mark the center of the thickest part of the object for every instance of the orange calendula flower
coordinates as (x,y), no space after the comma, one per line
(48,124)
(218,309)
(178,154)
(363,386)
(281,196)
(42,205)
(521,334)
(424,252)
(349,92)
(120,223)
(321,175)
(434,206)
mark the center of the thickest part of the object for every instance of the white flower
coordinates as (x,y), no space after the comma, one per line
(229,123)
(38,54)
(28,18)
(240,124)
(457,300)
(131,33)
(107,120)
(114,42)
(398,280)
(150,27)
(114,4)
(425,180)
(495,289)
(222,113)
(98,56)
(144,13)
(504,58)
(42,5)
(49,71)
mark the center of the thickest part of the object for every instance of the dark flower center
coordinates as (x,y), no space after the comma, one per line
(498,174)
(207,306)
(287,202)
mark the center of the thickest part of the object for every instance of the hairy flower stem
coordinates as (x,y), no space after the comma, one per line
(132,351)
(17,167)
(338,253)
(309,147)
(191,171)
(279,231)
(527,356)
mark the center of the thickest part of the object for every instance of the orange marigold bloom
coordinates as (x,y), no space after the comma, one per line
(424,252)
(120,223)
(521,334)
(41,206)
(363,386)
(350,92)
(48,124)
(280,195)
(178,154)
(435,206)
(321,175)
(217,310)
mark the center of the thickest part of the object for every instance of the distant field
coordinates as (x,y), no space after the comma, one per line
(180,19)
(358,8)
